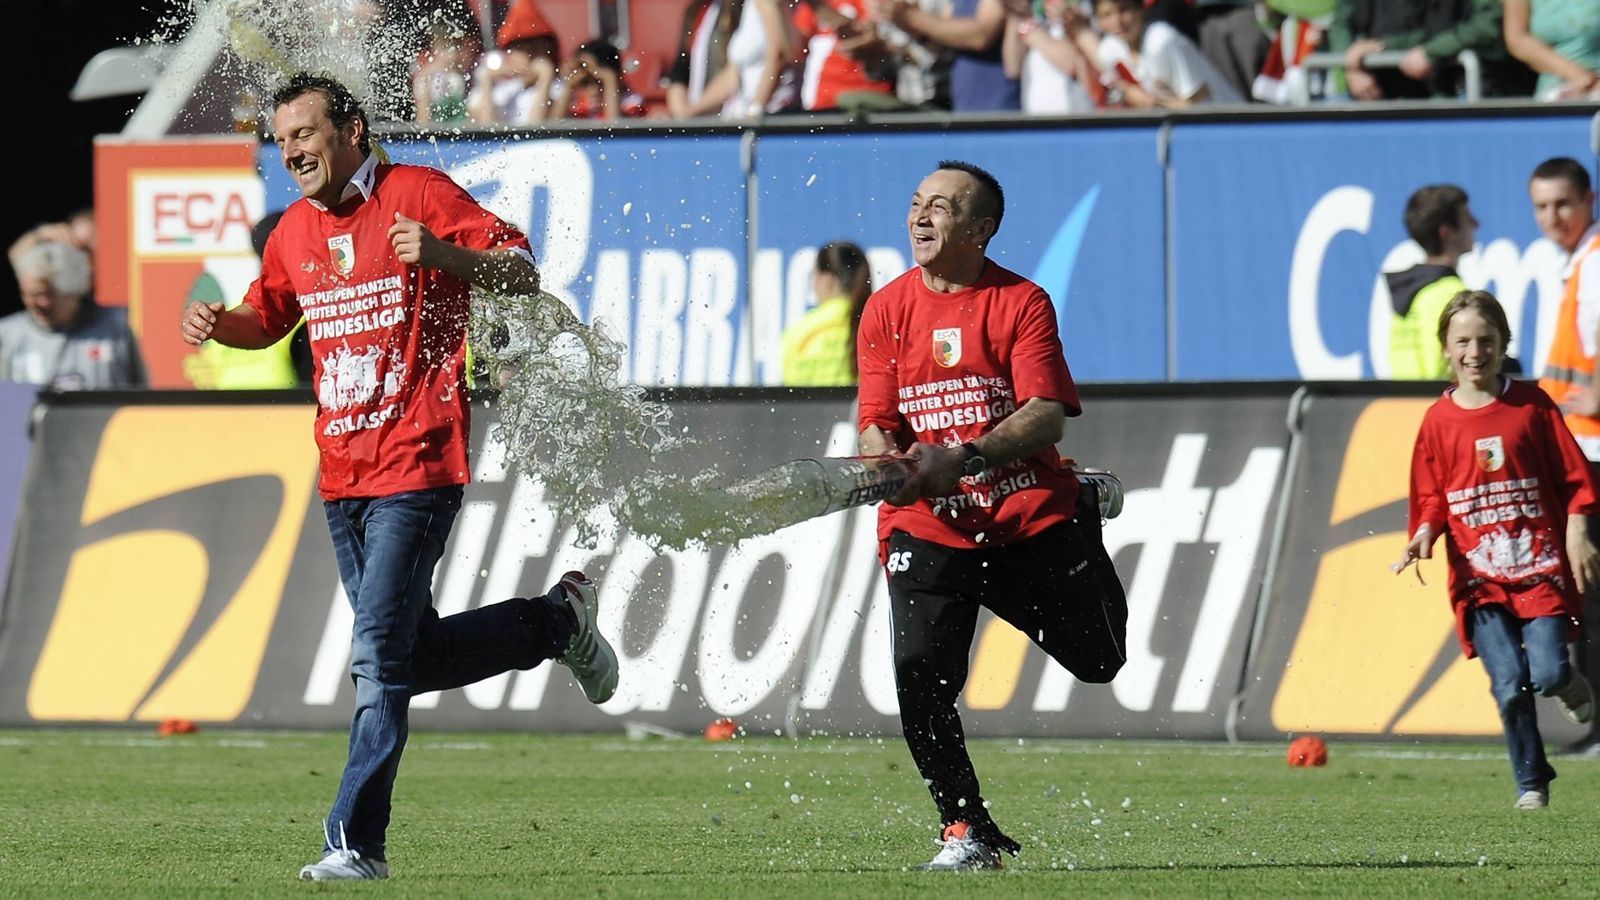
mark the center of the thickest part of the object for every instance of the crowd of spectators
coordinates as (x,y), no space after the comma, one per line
(521,76)
(742,59)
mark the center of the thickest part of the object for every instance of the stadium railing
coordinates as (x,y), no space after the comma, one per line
(1471,70)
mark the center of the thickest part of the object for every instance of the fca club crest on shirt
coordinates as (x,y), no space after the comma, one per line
(342,250)
(947,346)
(1491,454)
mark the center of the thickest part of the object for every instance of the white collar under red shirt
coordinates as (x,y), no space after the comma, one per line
(1505,387)
(360,183)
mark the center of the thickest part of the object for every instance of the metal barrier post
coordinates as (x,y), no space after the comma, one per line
(1472,75)
(1471,69)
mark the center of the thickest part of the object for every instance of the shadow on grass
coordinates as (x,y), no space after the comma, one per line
(1079,869)
(1420,864)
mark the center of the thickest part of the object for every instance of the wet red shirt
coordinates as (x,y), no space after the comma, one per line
(388,339)
(944,369)
(1499,482)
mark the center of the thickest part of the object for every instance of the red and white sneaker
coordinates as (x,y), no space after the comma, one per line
(588,654)
(961,851)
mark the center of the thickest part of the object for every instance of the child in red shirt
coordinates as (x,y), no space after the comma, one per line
(1496,471)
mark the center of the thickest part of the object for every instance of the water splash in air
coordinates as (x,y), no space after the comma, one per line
(568,420)
(367,46)
(565,416)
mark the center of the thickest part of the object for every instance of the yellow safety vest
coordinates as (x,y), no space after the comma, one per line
(1415,352)
(215,367)
(817,349)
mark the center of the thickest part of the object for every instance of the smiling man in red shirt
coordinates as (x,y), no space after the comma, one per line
(380,260)
(962,370)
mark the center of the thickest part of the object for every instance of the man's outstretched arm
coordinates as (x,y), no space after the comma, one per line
(238,327)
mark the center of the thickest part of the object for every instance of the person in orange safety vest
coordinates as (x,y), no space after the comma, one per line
(1563,205)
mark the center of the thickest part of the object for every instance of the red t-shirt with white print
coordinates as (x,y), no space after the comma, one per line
(388,339)
(945,369)
(1499,482)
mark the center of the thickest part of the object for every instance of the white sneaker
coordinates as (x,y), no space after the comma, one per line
(588,654)
(345,865)
(961,852)
(1532,800)
(1577,700)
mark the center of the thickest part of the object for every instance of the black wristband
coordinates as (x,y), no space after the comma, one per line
(972,461)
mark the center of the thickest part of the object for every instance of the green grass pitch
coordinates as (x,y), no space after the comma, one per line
(124,813)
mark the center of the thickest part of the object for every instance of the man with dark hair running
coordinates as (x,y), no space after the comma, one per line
(379,260)
(962,370)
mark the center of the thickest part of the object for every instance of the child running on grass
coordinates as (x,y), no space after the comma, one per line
(1496,471)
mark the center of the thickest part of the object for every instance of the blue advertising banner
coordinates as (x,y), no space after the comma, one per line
(1278,233)
(1083,219)
(649,234)
(1282,232)
(645,233)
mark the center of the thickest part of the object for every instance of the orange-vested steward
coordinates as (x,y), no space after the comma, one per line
(1568,368)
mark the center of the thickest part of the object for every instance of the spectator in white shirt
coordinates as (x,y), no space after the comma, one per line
(1053,55)
(1152,64)
(517,83)
(761,75)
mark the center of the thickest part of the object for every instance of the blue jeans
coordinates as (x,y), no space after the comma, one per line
(387,548)
(1522,656)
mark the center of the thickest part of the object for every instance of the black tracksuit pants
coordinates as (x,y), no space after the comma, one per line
(1058,588)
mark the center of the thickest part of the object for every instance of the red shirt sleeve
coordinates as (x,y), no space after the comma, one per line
(1427,492)
(1038,366)
(272,294)
(805,21)
(878,379)
(452,215)
(1577,484)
